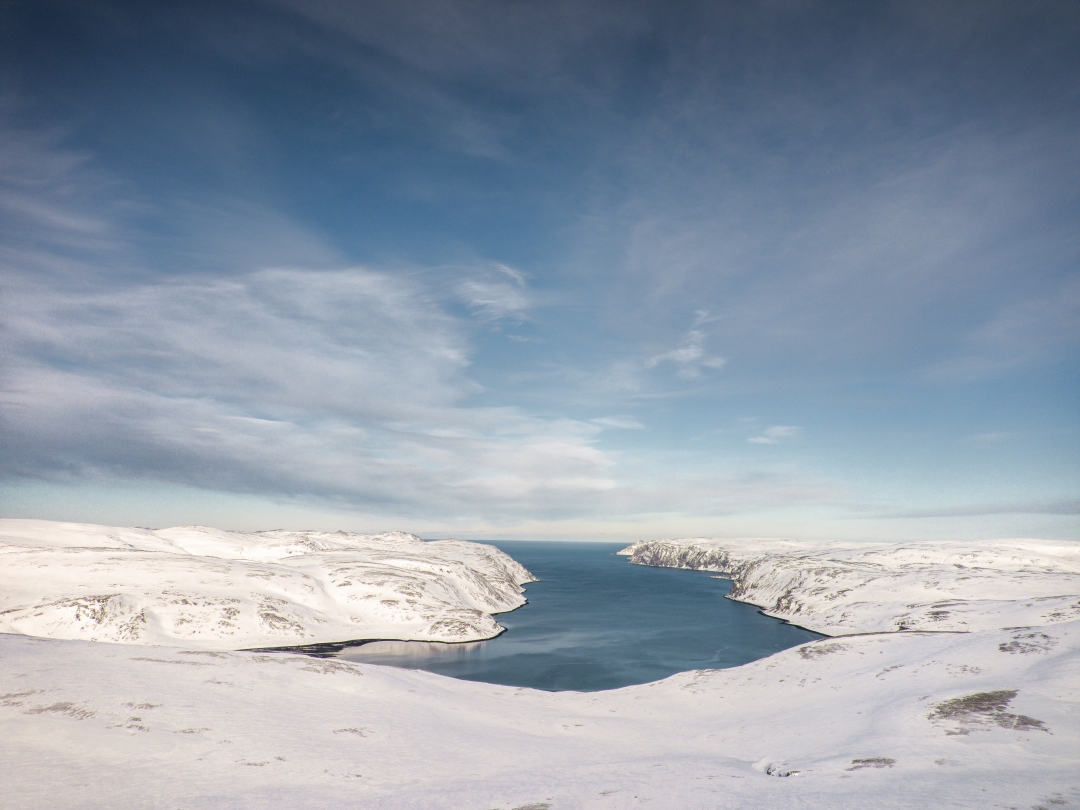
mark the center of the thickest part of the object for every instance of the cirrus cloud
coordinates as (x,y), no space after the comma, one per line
(774,434)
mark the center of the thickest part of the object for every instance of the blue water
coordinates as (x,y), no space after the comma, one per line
(594,621)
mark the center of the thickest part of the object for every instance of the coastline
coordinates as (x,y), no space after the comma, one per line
(839,589)
(968,717)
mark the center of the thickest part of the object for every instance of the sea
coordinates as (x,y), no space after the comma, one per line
(594,621)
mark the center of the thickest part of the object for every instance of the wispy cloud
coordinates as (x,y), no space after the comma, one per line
(496,293)
(618,423)
(1019,334)
(689,357)
(1061,506)
(259,252)
(346,385)
(774,434)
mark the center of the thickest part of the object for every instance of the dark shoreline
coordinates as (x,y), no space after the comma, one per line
(328,649)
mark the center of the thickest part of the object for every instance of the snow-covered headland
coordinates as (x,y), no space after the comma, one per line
(979,719)
(204,588)
(843,588)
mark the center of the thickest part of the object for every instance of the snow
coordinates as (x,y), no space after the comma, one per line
(844,588)
(867,721)
(978,719)
(211,589)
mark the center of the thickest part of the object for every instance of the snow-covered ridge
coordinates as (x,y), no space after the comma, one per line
(204,588)
(845,588)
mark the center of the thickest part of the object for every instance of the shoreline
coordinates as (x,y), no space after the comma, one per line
(843,589)
(962,716)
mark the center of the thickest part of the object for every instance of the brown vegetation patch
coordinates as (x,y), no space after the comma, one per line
(820,650)
(13,698)
(277,623)
(1026,643)
(324,667)
(985,708)
(69,709)
(872,762)
(359,732)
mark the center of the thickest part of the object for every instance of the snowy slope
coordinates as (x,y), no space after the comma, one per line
(988,719)
(842,588)
(211,589)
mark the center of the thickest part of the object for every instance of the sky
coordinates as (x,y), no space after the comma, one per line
(570,270)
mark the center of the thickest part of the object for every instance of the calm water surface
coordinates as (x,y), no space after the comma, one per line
(594,621)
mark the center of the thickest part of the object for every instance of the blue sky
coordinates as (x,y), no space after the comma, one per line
(523,269)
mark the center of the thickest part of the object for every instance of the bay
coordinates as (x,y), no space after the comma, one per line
(594,622)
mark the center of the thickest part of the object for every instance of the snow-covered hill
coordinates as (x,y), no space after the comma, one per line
(206,588)
(988,718)
(980,720)
(844,588)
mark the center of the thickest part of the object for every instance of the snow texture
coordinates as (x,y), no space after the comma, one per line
(902,720)
(988,718)
(843,588)
(211,589)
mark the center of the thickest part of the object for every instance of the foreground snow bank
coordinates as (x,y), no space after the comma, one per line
(900,720)
(211,589)
(844,588)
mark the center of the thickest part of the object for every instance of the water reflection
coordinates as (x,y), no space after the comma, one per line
(374,652)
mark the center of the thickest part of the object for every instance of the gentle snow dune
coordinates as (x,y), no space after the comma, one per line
(987,719)
(204,588)
(845,588)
